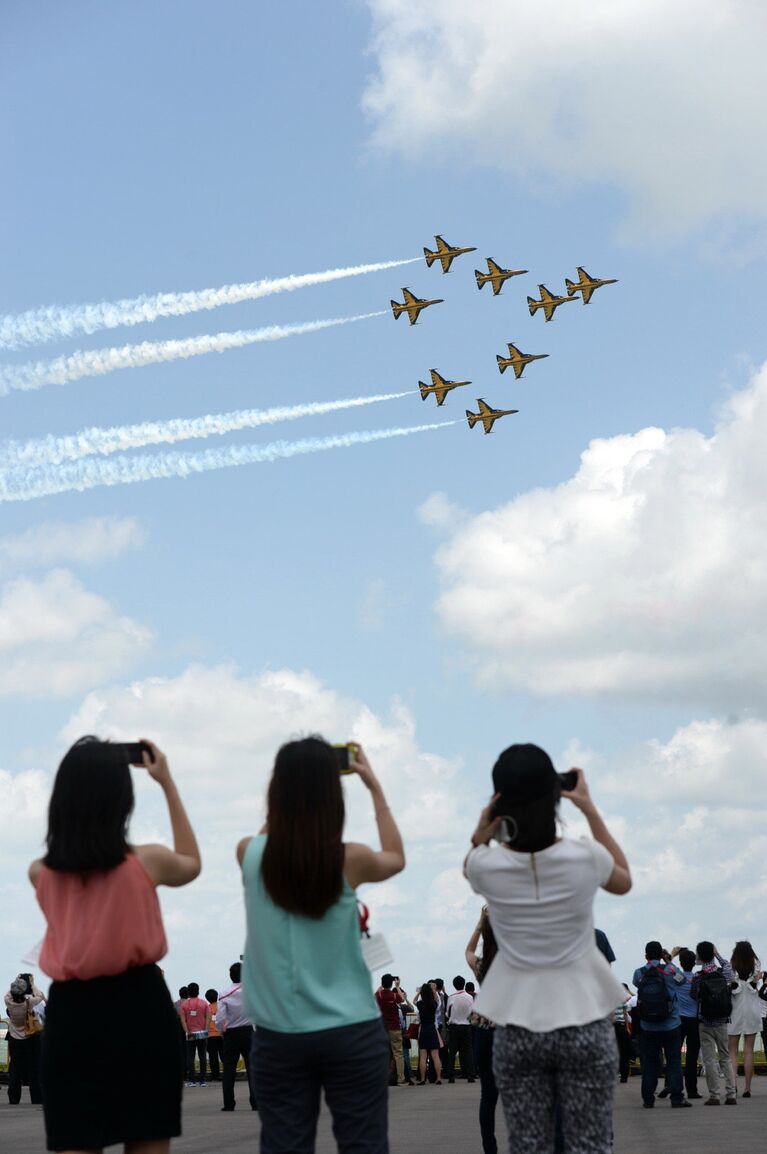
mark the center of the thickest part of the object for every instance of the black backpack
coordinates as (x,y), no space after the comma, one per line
(653,1001)
(715,996)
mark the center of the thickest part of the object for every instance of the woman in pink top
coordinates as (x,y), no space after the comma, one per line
(102,1083)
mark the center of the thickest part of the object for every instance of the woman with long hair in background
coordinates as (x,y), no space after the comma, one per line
(746,1016)
(429,1041)
(102,1083)
(307,988)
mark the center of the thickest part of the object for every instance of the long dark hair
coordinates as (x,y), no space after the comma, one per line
(90,808)
(303,861)
(427,996)
(489,950)
(533,825)
(744,961)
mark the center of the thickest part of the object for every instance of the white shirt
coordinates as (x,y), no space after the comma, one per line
(230,1013)
(459,1008)
(548,972)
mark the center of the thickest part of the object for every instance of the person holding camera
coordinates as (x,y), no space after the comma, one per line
(307,988)
(23,1039)
(549,990)
(104,937)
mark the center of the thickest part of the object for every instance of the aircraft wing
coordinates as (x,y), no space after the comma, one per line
(409,297)
(436,379)
(493,267)
(518,368)
(484,408)
(587,292)
(545,294)
(583,276)
(442,245)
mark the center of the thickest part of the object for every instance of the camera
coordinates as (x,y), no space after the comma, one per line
(134,751)
(569,780)
(345,754)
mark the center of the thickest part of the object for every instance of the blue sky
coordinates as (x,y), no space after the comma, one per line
(181,147)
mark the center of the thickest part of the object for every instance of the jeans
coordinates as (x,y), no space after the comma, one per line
(716,1059)
(215,1055)
(24,1057)
(691,1035)
(624,1050)
(198,1046)
(459,1042)
(237,1043)
(351,1065)
(488,1098)
(573,1067)
(651,1044)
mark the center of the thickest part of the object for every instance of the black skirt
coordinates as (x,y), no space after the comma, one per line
(112,1061)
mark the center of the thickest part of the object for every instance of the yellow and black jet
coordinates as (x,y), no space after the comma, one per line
(548,302)
(412,306)
(496,275)
(445,254)
(517,360)
(585,285)
(486,415)
(439,386)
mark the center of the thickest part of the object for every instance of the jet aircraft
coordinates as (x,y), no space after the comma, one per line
(548,302)
(517,360)
(412,306)
(439,386)
(445,254)
(486,415)
(585,285)
(496,275)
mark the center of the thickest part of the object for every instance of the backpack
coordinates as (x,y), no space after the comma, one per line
(715,996)
(653,1001)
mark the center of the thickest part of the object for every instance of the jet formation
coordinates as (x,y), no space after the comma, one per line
(496,276)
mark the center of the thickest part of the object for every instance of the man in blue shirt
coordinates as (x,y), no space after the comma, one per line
(657,983)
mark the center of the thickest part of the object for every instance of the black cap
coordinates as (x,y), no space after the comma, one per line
(524,773)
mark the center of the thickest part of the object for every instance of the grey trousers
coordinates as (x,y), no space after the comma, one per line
(351,1065)
(715,1052)
(574,1067)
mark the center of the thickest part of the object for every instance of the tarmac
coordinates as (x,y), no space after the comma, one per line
(441,1118)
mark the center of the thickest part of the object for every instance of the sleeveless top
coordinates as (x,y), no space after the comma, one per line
(302,974)
(99,924)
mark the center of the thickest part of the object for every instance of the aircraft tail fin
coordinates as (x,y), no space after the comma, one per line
(430,256)
(472,418)
(572,287)
(532,304)
(502,364)
(397,309)
(425,390)
(482,278)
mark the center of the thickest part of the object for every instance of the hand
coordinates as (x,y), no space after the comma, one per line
(156,763)
(487,825)
(580,796)
(676,950)
(361,766)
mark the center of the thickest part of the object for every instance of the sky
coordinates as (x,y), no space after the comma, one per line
(590,577)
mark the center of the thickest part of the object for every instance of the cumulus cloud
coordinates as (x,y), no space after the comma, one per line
(57,638)
(645,96)
(73,542)
(644,574)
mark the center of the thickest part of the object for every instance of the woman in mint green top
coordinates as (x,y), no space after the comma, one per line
(307,988)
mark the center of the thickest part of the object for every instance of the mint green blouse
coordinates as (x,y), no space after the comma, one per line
(302,974)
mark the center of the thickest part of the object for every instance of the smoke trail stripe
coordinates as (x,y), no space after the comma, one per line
(97,362)
(53,450)
(38,326)
(26,485)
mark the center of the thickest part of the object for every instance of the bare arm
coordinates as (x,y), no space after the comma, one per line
(619,881)
(361,863)
(471,946)
(182,864)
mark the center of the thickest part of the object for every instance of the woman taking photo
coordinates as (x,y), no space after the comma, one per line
(103,1083)
(549,991)
(307,988)
(429,1041)
(746,1016)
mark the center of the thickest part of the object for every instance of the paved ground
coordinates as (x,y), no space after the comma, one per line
(441,1118)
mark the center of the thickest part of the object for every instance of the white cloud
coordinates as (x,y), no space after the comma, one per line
(657,100)
(84,542)
(56,638)
(644,574)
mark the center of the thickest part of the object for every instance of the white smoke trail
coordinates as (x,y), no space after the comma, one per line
(53,450)
(96,362)
(38,326)
(26,485)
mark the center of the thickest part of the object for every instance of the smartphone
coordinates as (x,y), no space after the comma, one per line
(134,751)
(345,754)
(569,780)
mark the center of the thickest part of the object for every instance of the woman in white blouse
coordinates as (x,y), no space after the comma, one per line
(549,990)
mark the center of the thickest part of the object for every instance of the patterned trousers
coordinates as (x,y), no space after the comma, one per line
(573,1068)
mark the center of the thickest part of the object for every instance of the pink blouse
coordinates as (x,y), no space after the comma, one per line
(99,924)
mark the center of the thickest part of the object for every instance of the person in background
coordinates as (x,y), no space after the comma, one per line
(406,1007)
(104,937)
(460,1006)
(389,1001)
(429,1040)
(622,1037)
(690,1028)
(318,1026)
(657,983)
(183,994)
(710,987)
(746,1017)
(195,1018)
(484,1029)
(237,1031)
(439,986)
(23,1039)
(549,990)
(215,1041)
